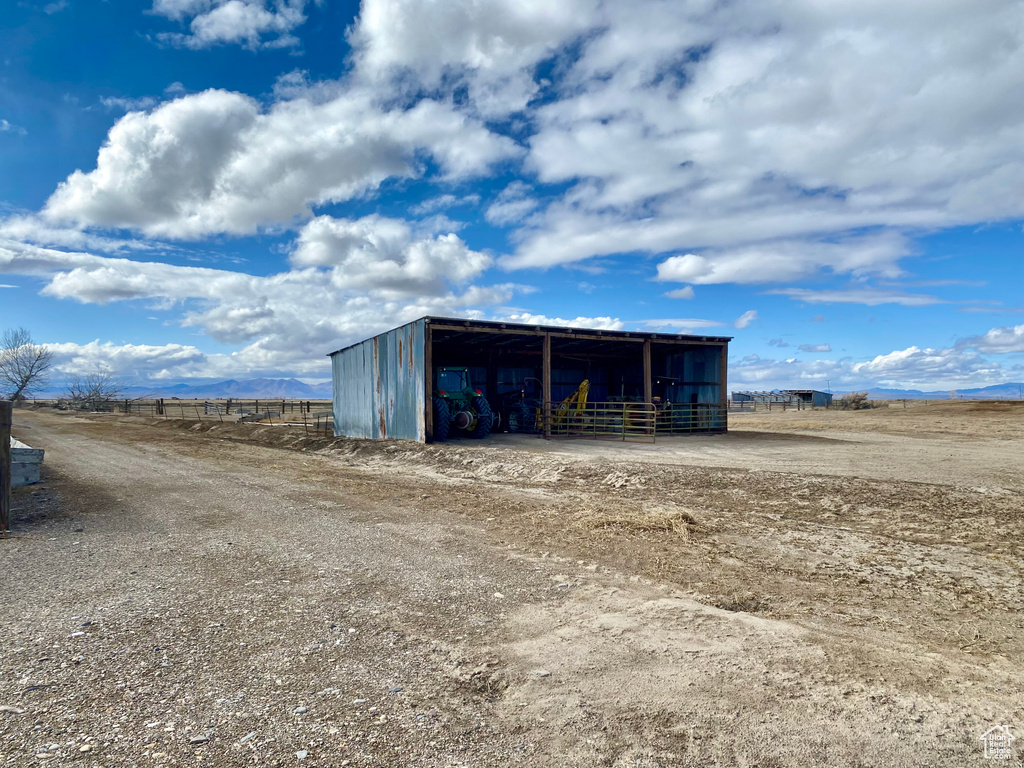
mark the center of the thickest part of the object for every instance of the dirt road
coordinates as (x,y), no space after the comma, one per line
(230,595)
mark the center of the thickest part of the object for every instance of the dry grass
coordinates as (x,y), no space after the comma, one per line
(639,521)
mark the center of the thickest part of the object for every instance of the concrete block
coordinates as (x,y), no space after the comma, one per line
(25,463)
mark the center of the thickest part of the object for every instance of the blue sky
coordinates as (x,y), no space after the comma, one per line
(234,188)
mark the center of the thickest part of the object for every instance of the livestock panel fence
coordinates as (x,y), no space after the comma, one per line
(313,415)
(630,421)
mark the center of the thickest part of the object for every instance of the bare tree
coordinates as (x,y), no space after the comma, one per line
(23,364)
(90,390)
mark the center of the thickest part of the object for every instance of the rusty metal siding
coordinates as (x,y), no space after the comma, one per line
(379,386)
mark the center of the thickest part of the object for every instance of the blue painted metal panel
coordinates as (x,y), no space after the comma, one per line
(380,386)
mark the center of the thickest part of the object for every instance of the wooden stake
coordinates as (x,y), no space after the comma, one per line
(6,414)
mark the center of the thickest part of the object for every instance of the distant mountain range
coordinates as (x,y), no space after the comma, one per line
(248,389)
(994,392)
(293,389)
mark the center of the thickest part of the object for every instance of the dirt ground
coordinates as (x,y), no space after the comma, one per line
(815,588)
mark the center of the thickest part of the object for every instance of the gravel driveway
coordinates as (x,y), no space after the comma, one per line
(175,598)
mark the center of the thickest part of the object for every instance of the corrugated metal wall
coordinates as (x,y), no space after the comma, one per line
(379,386)
(821,399)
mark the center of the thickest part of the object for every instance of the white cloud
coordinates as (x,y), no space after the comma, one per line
(216,162)
(375,253)
(996,341)
(351,279)
(680,324)
(786,260)
(443,202)
(252,24)
(490,46)
(697,126)
(140,361)
(601,323)
(911,368)
(869,296)
(681,293)
(33,229)
(512,205)
(8,127)
(745,319)
(815,348)
(128,104)
(917,368)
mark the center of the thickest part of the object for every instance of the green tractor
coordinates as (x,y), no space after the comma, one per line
(458,405)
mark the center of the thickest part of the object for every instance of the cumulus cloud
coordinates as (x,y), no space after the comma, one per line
(915,368)
(702,126)
(911,368)
(216,162)
(491,47)
(380,253)
(350,280)
(996,341)
(815,348)
(252,24)
(137,361)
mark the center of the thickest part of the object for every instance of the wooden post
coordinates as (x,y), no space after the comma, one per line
(6,414)
(648,388)
(723,381)
(545,386)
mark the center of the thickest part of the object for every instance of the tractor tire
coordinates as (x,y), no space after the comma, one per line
(484,418)
(442,420)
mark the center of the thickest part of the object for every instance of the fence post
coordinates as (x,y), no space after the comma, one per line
(6,414)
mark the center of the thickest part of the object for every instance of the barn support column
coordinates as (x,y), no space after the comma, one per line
(647,371)
(546,384)
(723,372)
(428,378)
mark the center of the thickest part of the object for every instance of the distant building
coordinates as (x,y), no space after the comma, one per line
(812,397)
(789,397)
(767,396)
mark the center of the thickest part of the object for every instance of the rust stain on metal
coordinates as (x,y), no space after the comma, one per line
(383,424)
(399,347)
